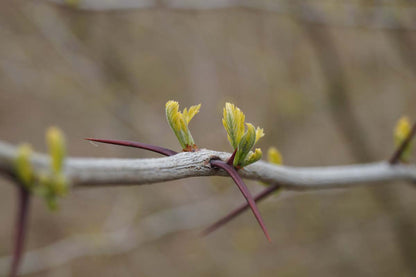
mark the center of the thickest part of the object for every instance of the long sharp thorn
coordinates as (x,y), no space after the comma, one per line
(239,210)
(135,144)
(244,190)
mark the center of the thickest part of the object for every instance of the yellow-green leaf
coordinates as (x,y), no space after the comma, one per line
(233,121)
(178,121)
(241,140)
(24,169)
(56,144)
(245,145)
(274,156)
(401,132)
(259,133)
(193,110)
(253,157)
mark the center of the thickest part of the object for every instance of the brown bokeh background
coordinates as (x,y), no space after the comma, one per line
(326,93)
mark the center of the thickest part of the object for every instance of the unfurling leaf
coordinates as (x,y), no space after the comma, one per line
(179,121)
(274,156)
(56,144)
(193,110)
(23,167)
(241,140)
(252,157)
(54,183)
(233,121)
(401,132)
(259,134)
(50,184)
(245,145)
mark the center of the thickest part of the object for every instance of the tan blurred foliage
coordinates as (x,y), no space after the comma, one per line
(324,95)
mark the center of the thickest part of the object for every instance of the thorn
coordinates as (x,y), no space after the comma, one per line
(135,144)
(239,210)
(244,190)
(230,160)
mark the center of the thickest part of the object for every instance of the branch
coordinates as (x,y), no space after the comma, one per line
(21,229)
(83,172)
(128,236)
(378,17)
(120,240)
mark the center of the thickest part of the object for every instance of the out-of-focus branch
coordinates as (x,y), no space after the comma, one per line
(21,229)
(348,15)
(353,130)
(89,72)
(129,236)
(82,172)
(340,104)
(120,240)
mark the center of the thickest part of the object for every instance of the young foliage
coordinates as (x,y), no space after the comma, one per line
(57,149)
(401,133)
(179,122)
(51,184)
(241,140)
(24,169)
(233,121)
(274,156)
(54,184)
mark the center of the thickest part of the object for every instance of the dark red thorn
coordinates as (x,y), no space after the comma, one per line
(135,144)
(398,153)
(244,190)
(20,229)
(233,214)
(230,160)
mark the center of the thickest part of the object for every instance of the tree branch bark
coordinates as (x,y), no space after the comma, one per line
(83,172)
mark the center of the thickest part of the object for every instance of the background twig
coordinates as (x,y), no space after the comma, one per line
(20,229)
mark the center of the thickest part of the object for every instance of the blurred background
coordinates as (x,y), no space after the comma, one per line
(327,80)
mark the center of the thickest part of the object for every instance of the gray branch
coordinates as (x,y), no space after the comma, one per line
(83,172)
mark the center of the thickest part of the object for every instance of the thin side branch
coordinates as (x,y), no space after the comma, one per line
(83,172)
(136,144)
(21,228)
